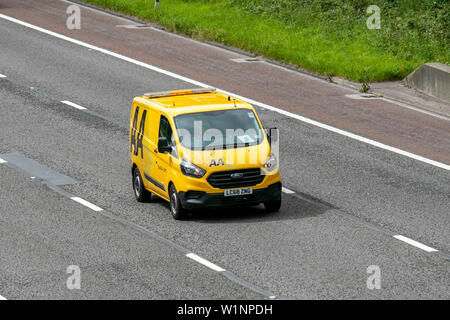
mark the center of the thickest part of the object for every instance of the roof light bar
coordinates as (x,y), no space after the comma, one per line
(162,94)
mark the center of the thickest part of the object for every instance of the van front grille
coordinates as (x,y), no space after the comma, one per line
(235,178)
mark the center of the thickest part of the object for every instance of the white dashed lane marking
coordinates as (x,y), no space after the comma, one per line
(2,76)
(414,243)
(204,262)
(191,255)
(86,204)
(396,236)
(73,105)
(286,190)
(3,161)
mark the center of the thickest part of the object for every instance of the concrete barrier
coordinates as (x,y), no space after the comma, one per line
(432,79)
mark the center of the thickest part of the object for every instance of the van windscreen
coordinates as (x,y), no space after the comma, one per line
(222,129)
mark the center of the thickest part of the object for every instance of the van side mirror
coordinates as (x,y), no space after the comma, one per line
(272,135)
(163,145)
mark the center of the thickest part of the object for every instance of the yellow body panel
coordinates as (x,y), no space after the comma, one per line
(163,168)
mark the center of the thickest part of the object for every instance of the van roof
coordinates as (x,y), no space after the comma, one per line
(191,100)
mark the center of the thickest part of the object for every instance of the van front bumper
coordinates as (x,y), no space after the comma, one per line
(192,200)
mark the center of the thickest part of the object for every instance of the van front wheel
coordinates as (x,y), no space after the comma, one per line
(273,206)
(176,209)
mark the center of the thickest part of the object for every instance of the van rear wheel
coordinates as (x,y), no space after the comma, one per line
(176,209)
(141,194)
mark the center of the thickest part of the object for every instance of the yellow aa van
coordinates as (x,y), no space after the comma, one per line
(201,148)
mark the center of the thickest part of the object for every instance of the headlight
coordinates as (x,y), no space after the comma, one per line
(191,170)
(271,163)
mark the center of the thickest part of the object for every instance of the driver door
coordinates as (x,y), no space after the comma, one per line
(163,161)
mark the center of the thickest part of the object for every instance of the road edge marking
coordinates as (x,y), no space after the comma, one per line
(257,103)
(86,204)
(204,262)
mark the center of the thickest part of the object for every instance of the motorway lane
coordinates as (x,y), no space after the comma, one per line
(301,252)
(43,232)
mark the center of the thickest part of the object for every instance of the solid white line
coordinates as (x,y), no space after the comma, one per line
(3,298)
(257,103)
(73,105)
(204,262)
(87,204)
(415,243)
(3,161)
(286,190)
(2,76)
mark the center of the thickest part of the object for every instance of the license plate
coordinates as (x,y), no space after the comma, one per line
(237,192)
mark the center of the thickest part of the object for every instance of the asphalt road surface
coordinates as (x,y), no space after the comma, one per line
(349,202)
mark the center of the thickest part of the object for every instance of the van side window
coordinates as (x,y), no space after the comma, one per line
(165,130)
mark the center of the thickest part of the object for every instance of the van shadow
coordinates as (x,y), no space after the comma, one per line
(293,207)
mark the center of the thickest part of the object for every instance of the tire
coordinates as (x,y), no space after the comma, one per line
(273,206)
(176,209)
(141,194)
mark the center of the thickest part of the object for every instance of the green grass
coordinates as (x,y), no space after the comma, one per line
(325,36)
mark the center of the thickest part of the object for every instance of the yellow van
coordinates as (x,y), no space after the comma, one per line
(201,148)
